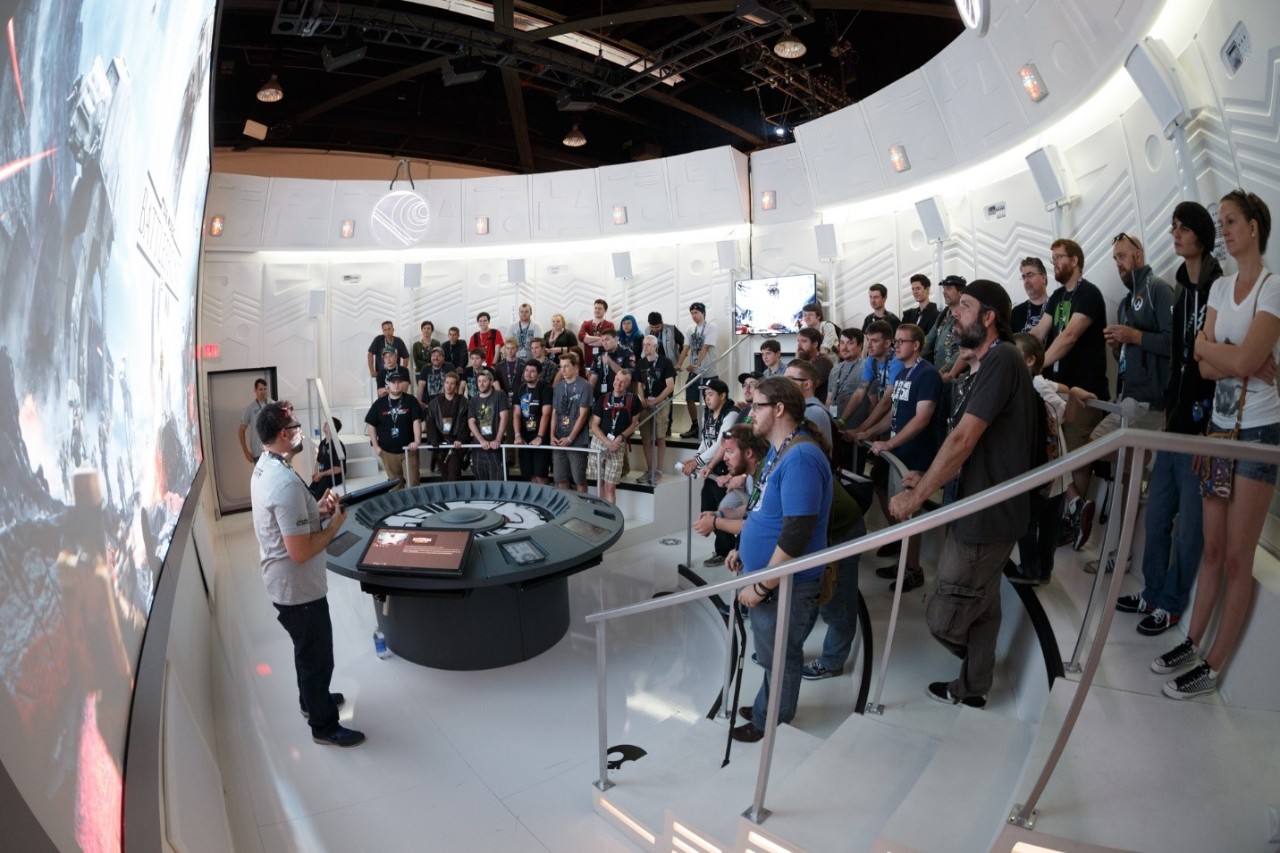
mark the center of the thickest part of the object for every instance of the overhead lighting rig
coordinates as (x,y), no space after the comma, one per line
(806,94)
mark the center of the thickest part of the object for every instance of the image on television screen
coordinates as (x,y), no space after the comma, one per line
(772,306)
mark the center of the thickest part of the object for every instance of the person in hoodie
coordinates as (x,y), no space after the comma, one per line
(1172,553)
(1139,340)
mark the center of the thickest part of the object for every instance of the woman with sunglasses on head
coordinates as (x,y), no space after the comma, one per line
(1238,348)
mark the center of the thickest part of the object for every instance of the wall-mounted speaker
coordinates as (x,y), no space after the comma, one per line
(515,270)
(622,265)
(1155,73)
(412,276)
(727,254)
(933,219)
(1052,177)
(316,303)
(826,236)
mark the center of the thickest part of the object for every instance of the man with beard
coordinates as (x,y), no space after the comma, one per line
(1071,330)
(809,349)
(445,417)
(942,345)
(487,414)
(787,517)
(743,453)
(394,424)
(431,379)
(291,545)
(1139,340)
(991,443)
(1035,281)
(1172,553)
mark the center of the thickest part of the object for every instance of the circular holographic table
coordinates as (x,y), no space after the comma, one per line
(506,599)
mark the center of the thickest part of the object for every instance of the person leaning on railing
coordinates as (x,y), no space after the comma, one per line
(1238,347)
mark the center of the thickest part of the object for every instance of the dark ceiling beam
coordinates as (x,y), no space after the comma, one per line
(519,122)
(367,89)
(719,7)
(677,104)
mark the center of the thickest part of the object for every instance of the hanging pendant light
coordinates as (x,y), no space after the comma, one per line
(789,47)
(574,138)
(270,91)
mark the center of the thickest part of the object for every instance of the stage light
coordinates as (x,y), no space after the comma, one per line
(463,69)
(270,91)
(216,224)
(789,47)
(348,229)
(345,54)
(619,214)
(768,199)
(575,138)
(482,225)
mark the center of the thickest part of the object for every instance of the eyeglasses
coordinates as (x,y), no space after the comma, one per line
(901,341)
(1123,236)
(765,405)
(1056,257)
(293,427)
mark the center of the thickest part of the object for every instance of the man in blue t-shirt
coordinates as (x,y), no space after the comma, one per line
(786,518)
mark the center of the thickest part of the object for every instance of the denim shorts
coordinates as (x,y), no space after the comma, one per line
(1261,471)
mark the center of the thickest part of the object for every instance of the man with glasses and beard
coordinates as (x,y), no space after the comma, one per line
(992,442)
(787,517)
(394,424)
(291,547)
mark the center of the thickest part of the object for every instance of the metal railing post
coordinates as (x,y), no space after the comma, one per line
(875,706)
(757,813)
(602,711)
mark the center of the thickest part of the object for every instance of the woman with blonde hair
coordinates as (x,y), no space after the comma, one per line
(1238,347)
(560,340)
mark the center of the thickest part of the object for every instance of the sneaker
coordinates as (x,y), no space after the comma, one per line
(745,712)
(1133,604)
(815,671)
(692,432)
(746,733)
(338,699)
(644,480)
(1193,682)
(1184,654)
(1086,525)
(1158,622)
(887,572)
(714,560)
(940,691)
(912,579)
(1091,567)
(344,738)
(655,477)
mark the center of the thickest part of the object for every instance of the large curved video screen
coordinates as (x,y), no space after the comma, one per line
(104,110)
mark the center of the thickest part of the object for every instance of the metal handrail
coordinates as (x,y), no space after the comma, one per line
(1124,438)
(422,445)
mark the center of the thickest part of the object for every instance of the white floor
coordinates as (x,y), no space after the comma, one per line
(504,759)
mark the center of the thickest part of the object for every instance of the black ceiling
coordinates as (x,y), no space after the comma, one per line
(393,101)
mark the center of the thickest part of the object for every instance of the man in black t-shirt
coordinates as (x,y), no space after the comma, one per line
(387,340)
(991,443)
(531,404)
(1035,281)
(1076,356)
(395,425)
(455,350)
(610,360)
(487,415)
(431,379)
(614,417)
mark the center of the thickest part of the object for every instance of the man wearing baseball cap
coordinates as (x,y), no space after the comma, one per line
(394,424)
(992,442)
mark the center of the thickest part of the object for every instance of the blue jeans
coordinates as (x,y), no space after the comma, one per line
(841,612)
(764,622)
(312,634)
(1174,492)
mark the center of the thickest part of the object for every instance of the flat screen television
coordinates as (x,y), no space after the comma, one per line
(772,306)
(417,550)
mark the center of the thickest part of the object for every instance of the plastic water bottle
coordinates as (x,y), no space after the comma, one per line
(380,644)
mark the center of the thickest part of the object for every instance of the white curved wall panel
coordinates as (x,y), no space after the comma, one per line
(565,205)
(361,296)
(781,170)
(640,187)
(297,213)
(977,101)
(868,254)
(708,188)
(231,312)
(505,201)
(354,200)
(444,200)
(289,332)
(1156,188)
(840,158)
(904,112)
(241,201)
(1000,243)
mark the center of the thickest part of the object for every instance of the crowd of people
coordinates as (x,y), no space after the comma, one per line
(964,395)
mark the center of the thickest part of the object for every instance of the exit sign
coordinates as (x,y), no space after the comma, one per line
(211,351)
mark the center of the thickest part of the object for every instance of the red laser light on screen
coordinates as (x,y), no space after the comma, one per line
(17,75)
(13,167)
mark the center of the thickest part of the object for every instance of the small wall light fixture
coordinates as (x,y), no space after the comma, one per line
(898,158)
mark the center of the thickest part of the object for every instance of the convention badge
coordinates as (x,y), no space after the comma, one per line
(448,424)
(486,430)
(395,432)
(564,421)
(833,410)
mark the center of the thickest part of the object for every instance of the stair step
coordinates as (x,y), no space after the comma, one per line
(849,787)
(941,812)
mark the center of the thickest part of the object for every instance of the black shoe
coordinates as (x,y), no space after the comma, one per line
(714,560)
(344,738)
(690,433)
(939,691)
(890,550)
(887,572)
(1086,525)
(1133,604)
(745,712)
(913,579)
(746,733)
(338,699)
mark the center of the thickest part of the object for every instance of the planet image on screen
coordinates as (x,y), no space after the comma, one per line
(400,219)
